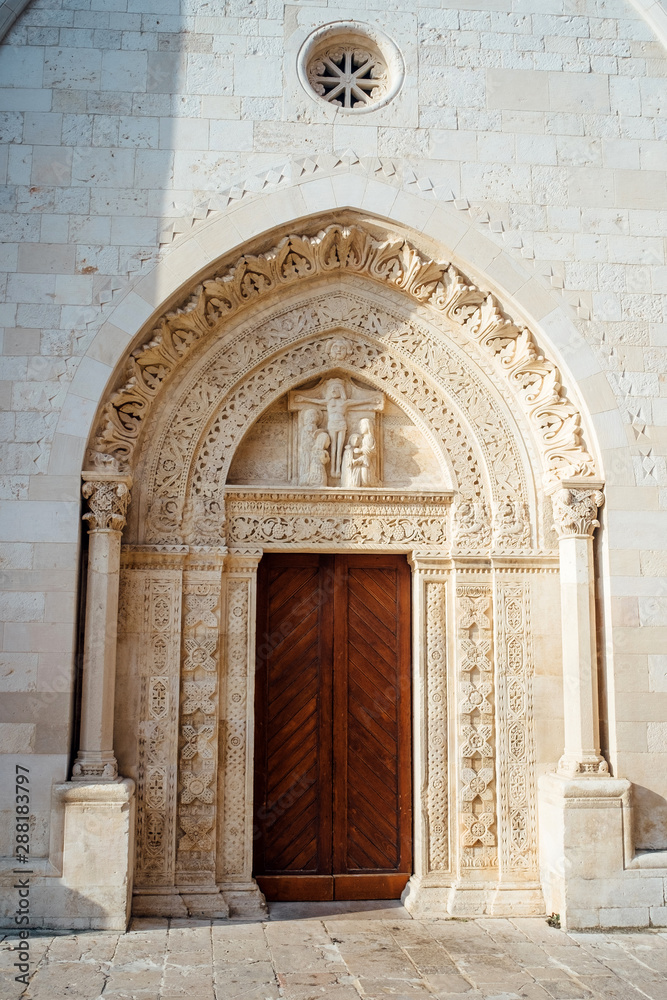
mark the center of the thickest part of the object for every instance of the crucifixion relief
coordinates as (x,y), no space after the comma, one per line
(328,447)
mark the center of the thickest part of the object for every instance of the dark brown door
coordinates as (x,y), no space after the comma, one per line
(332,727)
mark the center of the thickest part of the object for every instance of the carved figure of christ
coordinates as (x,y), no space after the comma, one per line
(337,404)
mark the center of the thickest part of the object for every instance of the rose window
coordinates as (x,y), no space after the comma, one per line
(348,77)
(351,66)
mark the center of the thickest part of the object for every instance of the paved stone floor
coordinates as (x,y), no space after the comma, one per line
(342,952)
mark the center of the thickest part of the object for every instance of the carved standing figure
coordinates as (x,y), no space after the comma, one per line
(351,470)
(368,453)
(309,422)
(319,459)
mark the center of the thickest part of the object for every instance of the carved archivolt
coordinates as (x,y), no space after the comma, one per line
(437,285)
(409,362)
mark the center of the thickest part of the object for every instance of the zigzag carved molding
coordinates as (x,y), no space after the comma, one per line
(533,379)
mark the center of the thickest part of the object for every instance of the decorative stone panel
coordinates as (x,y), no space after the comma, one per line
(516,741)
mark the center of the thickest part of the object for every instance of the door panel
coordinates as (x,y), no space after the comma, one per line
(332,764)
(293,718)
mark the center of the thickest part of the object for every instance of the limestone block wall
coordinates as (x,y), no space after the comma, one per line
(528,138)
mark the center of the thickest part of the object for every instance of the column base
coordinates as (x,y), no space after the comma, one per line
(96,767)
(583,833)
(582,766)
(422,898)
(246,900)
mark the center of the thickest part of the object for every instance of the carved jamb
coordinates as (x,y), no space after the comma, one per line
(258,519)
(575,511)
(149,627)
(437,780)
(516,736)
(107,500)
(476,748)
(197,805)
(234,861)
(437,285)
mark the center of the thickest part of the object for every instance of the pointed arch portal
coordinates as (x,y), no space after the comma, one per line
(460,429)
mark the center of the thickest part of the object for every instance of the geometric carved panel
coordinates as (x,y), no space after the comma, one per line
(516,725)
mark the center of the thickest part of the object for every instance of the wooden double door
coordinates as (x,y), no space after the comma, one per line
(333,810)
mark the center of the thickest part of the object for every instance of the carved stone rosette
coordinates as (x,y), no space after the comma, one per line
(516,740)
(477,793)
(576,510)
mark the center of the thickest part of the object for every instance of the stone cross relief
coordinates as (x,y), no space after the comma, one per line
(332,446)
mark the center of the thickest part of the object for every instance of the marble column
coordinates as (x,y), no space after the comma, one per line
(107,496)
(575,506)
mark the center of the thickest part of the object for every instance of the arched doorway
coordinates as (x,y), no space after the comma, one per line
(211,425)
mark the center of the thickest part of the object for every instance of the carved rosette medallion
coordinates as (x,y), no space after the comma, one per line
(477,794)
(107,501)
(516,739)
(436,683)
(575,511)
(197,806)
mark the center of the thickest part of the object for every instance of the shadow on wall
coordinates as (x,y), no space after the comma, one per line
(650,819)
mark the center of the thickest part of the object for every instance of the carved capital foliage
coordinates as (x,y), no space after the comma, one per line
(575,511)
(108,500)
(533,380)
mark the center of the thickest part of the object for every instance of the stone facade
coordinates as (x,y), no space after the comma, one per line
(193,245)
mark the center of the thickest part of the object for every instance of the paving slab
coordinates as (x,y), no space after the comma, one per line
(340,951)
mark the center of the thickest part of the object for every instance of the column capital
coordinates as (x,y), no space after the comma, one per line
(108,496)
(575,505)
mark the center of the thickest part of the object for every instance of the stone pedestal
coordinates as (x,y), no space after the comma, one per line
(584,835)
(97,855)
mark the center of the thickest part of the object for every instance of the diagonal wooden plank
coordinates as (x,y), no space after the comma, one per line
(361,613)
(380,588)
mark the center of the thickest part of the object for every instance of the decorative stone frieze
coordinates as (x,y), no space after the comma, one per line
(386,520)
